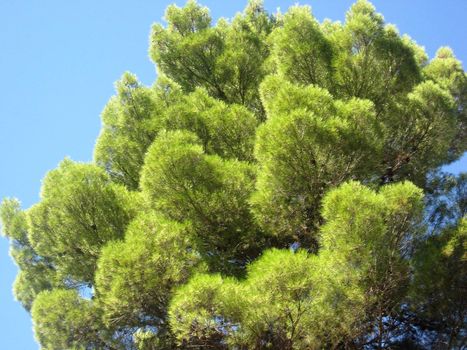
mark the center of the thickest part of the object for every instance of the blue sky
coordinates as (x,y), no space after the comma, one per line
(58,62)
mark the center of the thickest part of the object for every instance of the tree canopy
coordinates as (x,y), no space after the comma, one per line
(279,186)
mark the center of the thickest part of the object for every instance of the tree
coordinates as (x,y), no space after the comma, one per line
(278,187)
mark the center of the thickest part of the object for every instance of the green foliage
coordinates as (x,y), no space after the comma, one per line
(301,52)
(196,311)
(225,130)
(80,210)
(36,272)
(186,185)
(14,221)
(447,71)
(422,142)
(366,243)
(33,278)
(63,320)
(135,277)
(130,121)
(226,60)
(290,300)
(279,287)
(438,291)
(372,61)
(267,308)
(261,194)
(309,143)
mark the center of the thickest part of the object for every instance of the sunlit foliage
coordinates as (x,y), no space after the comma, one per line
(277,187)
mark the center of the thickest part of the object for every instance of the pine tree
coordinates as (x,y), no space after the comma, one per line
(278,187)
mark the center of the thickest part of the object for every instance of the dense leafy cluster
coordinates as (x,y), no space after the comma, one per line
(278,187)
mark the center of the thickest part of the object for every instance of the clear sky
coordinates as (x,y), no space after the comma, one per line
(58,62)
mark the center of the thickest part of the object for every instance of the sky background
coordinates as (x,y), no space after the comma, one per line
(58,62)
